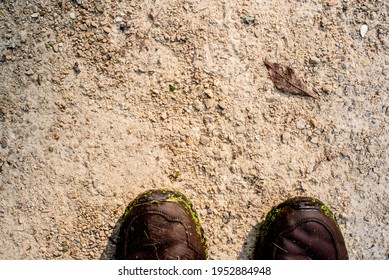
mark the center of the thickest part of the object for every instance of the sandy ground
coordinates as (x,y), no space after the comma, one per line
(101,100)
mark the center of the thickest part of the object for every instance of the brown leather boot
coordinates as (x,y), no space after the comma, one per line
(161,224)
(300,228)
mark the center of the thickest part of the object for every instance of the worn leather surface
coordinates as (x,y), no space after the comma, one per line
(302,229)
(163,230)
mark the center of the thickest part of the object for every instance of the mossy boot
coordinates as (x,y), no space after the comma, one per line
(300,228)
(161,224)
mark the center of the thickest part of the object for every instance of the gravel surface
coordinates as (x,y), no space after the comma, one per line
(102,100)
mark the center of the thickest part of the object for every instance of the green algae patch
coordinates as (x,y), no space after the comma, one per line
(328,213)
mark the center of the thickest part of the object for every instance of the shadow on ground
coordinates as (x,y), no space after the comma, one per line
(247,252)
(109,252)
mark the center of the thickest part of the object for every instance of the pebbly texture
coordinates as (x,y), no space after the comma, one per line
(102,100)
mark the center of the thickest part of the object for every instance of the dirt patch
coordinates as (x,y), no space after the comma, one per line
(101,100)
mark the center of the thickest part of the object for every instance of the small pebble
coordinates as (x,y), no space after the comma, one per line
(245,167)
(300,124)
(310,169)
(285,137)
(222,105)
(55,48)
(23,36)
(314,140)
(35,15)
(164,116)
(72,15)
(313,122)
(56,80)
(189,141)
(198,105)
(210,103)
(257,32)
(234,168)
(332,3)
(118,19)
(314,61)
(366,62)
(363,30)
(4,143)
(358,147)
(29,72)
(326,88)
(204,140)
(208,92)
(99,8)
(83,27)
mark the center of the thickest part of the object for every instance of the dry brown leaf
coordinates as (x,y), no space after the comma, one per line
(285,79)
